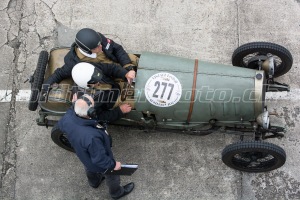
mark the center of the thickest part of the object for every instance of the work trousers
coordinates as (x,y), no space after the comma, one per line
(112,182)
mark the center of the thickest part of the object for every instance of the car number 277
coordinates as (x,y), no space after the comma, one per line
(163,89)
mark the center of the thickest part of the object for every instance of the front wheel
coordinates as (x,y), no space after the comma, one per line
(60,138)
(250,54)
(253,156)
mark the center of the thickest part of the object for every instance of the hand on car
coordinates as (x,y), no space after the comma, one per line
(118,166)
(130,76)
(74,97)
(125,108)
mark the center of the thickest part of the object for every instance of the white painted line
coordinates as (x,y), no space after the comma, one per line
(293,95)
(24,95)
(5,95)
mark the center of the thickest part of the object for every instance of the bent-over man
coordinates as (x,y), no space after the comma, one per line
(92,145)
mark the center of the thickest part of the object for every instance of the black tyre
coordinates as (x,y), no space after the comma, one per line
(248,55)
(38,79)
(60,138)
(253,156)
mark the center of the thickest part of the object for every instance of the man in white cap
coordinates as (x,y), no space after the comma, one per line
(93,47)
(89,75)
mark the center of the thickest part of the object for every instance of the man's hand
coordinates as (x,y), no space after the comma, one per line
(125,108)
(130,76)
(74,97)
(118,166)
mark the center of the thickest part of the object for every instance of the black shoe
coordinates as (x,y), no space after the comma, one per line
(97,184)
(127,189)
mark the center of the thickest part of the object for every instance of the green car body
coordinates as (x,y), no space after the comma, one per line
(189,95)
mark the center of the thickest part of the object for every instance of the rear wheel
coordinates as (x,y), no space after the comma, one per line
(38,79)
(60,138)
(253,156)
(248,55)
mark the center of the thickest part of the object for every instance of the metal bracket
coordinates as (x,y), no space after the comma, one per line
(273,86)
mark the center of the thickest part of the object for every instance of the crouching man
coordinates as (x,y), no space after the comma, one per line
(92,145)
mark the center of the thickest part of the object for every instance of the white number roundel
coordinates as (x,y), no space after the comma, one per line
(163,90)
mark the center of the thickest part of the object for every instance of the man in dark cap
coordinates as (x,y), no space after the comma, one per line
(91,46)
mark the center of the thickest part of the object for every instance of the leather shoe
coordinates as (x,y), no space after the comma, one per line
(127,189)
(97,185)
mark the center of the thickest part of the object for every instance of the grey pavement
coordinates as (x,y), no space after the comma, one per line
(172,166)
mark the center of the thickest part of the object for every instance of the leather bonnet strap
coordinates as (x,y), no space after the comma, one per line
(193,92)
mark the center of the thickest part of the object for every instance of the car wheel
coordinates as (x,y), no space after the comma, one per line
(38,79)
(253,156)
(60,138)
(249,54)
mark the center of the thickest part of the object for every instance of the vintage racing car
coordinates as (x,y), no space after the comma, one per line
(192,96)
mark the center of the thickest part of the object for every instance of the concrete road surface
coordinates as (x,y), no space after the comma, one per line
(172,166)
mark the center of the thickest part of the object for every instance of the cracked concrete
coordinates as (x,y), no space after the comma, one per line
(281,186)
(172,166)
(12,52)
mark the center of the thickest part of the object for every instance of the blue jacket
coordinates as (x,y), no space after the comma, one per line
(91,144)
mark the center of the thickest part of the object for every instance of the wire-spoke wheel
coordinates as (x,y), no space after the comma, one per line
(253,156)
(250,54)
